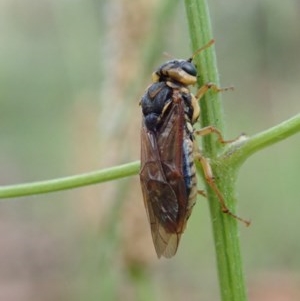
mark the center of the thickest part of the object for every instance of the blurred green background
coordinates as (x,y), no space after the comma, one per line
(71,76)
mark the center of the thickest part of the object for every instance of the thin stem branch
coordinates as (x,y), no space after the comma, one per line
(85,179)
(234,155)
(242,149)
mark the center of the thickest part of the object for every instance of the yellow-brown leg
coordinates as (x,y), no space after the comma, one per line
(210,86)
(202,192)
(207,171)
(211,129)
(210,180)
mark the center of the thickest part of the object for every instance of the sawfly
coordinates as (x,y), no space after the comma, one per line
(168,150)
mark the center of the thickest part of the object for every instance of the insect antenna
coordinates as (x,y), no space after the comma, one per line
(212,41)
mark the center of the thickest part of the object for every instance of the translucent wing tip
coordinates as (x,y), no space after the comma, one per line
(166,244)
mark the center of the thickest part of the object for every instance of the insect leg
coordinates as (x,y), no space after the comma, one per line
(211,129)
(208,174)
(202,192)
(210,86)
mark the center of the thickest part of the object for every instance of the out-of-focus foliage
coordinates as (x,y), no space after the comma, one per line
(71,76)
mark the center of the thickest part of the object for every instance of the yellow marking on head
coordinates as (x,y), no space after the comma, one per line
(155,77)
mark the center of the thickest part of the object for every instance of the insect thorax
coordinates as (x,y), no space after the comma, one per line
(157,101)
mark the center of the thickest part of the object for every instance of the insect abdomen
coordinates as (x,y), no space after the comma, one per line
(189,173)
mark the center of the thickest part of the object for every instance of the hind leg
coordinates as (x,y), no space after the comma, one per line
(209,178)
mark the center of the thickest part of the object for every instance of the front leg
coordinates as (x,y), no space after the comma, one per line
(210,86)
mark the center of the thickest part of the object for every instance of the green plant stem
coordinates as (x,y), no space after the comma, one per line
(226,236)
(242,149)
(90,178)
(201,33)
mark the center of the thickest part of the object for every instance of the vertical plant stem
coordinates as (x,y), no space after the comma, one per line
(225,229)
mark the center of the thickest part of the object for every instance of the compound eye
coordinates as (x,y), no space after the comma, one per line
(189,68)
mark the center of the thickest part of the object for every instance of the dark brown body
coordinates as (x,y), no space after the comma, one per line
(167,174)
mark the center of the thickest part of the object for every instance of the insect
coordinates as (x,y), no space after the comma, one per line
(167,174)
